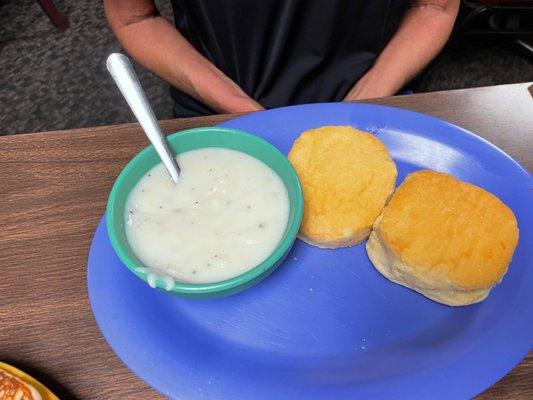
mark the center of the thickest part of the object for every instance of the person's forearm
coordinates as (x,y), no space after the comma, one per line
(422,34)
(159,47)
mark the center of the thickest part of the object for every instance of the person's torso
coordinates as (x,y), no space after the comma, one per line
(284,52)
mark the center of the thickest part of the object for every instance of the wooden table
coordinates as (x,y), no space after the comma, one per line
(53,189)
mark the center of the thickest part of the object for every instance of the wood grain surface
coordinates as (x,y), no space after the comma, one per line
(53,189)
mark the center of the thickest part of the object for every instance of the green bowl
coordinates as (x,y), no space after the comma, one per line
(194,139)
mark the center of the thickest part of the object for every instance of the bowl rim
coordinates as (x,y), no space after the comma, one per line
(180,287)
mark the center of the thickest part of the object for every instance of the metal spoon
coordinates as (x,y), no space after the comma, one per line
(121,70)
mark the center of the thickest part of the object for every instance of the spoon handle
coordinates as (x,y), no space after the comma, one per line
(121,70)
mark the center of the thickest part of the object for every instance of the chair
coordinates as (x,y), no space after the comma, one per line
(504,18)
(54,14)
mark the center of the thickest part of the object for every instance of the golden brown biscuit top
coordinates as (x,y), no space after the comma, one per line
(347,176)
(444,227)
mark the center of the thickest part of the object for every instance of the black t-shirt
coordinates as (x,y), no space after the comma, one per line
(283,52)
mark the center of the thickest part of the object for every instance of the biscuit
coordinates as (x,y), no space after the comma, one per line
(347,176)
(446,239)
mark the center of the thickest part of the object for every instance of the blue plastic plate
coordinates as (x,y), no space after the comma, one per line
(326,324)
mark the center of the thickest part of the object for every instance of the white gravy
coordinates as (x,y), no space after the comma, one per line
(225,216)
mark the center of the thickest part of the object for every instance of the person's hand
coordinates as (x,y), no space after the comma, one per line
(219,92)
(370,86)
(158,46)
(235,103)
(422,33)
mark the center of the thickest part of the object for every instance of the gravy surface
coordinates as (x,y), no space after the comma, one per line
(225,216)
